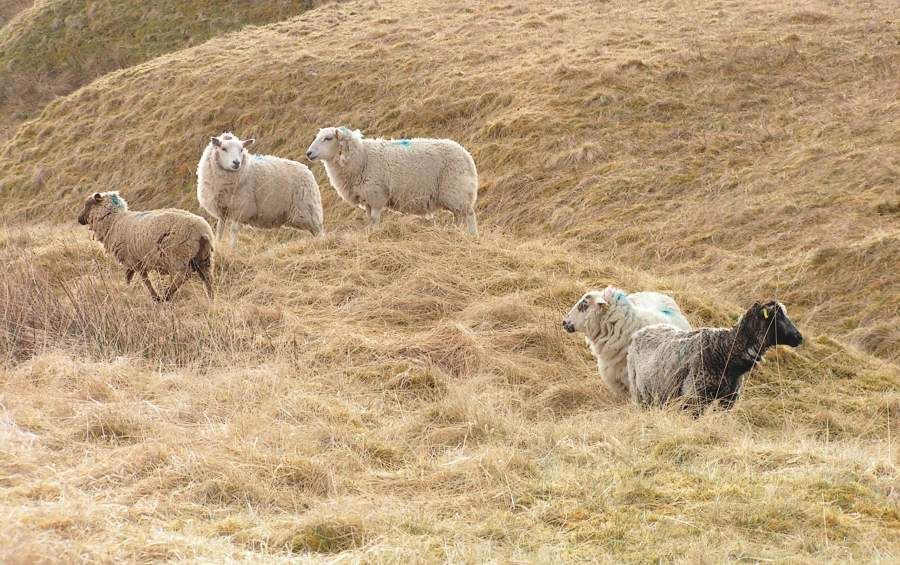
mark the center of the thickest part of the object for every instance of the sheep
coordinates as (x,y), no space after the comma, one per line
(168,241)
(236,187)
(414,176)
(708,364)
(609,318)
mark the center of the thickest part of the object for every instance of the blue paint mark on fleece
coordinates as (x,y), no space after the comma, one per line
(618,296)
(402,142)
(116,200)
(667,312)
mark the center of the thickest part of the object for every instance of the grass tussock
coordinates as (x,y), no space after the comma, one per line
(286,420)
(409,395)
(53,47)
(653,129)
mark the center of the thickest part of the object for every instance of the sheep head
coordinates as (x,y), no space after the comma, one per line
(332,144)
(100,205)
(770,325)
(229,152)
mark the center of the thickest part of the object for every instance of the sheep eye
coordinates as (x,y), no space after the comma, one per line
(327,139)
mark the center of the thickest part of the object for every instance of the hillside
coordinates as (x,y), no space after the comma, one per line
(409,395)
(55,46)
(759,160)
(356,396)
(9,8)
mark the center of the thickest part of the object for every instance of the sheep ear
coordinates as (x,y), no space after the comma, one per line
(248,142)
(98,197)
(215,141)
(337,133)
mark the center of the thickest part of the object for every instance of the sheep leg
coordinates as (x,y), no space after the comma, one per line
(374,217)
(146,278)
(220,229)
(234,231)
(129,274)
(177,281)
(471,223)
(206,277)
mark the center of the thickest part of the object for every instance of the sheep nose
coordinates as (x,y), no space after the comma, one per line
(235,163)
(568,326)
(309,154)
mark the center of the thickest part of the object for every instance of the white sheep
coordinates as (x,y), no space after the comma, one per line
(704,365)
(236,187)
(609,318)
(412,176)
(168,241)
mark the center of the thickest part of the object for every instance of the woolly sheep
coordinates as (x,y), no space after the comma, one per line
(708,364)
(414,176)
(236,187)
(167,241)
(609,318)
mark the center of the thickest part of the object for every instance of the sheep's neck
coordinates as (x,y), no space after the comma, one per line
(351,174)
(227,180)
(739,348)
(103,225)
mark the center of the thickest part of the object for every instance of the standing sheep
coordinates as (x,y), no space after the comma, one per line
(167,241)
(236,187)
(609,318)
(708,364)
(413,176)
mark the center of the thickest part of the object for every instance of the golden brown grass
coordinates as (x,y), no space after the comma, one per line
(56,46)
(758,158)
(9,8)
(410,396)
(360,397)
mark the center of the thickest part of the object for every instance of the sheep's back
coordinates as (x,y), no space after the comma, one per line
(278,185)
(658,308)
(412,168)
(660,358)
(154,239)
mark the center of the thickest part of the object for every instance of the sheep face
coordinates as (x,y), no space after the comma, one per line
(326,145)
(592,305)
(772,322)
(99,205)
(229,151)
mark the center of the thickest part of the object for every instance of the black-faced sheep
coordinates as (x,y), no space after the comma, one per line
(609,318)
(708,364)
(412,176)
(236,187)
(167,241)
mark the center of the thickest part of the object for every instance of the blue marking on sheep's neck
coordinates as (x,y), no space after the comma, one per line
(402,142)
(667,312)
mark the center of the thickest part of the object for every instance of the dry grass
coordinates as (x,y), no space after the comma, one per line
(356,397)
(757,158)
(9,8)
(409,396)
(56,46)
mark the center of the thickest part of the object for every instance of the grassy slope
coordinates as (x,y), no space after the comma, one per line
(757,159)
(362,395)
(358,396)
(56,46)
(9,8)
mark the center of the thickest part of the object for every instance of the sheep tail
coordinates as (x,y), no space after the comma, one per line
(202,261)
